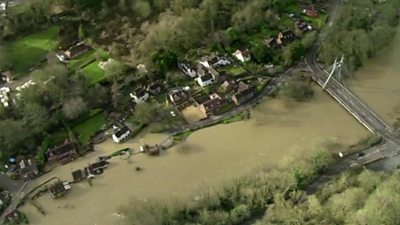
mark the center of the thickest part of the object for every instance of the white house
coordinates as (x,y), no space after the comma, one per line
(140,95)
(221,62)
(242,56)
(121,134)
(186,69)
(205,63)
(205,80)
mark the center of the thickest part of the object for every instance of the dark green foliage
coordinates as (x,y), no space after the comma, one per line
(297,87)
(363,28)
(41,155)
(164,61)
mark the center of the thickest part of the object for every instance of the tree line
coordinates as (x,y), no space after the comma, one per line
(237,202)
(56,99)
(363,28)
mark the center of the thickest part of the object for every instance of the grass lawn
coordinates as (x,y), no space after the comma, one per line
(27,51)
(234,70)
(317,22)
(293,8)
(88,127)
(94,73)
(286,22)
(81,60)
(58,137)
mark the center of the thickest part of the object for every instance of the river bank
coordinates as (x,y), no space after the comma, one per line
(208,158)
(377,83)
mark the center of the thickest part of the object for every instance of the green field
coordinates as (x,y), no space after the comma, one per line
(88,64)
(81,60)
(94,73)
(317,22)
(88,127)
(27,51)
(234,70)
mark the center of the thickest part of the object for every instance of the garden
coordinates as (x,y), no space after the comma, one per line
(88,127)
(28,51)
(88,64)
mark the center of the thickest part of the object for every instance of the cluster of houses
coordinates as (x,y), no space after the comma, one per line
(206,74)
(60,188)
(91,170)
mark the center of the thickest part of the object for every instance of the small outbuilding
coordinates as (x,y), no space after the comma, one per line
(122,134)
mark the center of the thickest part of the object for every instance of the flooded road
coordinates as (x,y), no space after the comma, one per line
(208,158)
(378,82)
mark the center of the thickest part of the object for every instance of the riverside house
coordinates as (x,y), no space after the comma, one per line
(28,169)
(63,153)
(213,106)
(59,189)
(243,95)
(122,134)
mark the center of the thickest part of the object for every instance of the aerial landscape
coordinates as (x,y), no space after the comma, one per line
(170,112)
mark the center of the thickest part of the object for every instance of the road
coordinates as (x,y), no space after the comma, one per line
(390,145)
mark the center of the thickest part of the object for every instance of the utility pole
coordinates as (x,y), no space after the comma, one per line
(336,68)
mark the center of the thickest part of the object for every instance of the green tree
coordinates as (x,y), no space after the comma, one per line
(262,53)
(81,32)
(141,9)
(116,69)
(249,16)
(145,112)
(74,107)
(13,136)
(164,60)
(5,63)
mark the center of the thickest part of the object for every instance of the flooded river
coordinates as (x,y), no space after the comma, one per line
(215,155)
(209,157)
(378,82)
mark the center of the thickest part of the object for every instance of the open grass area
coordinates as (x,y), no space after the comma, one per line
(317,22)
(88,64)
(94,73)
(58,137)
(27,51)
(88,127)
(286,22)
(293,8)
(234,70)
(81,60)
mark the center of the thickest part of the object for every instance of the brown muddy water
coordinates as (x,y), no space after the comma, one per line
(208,158)
(213,156)
(378,82)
